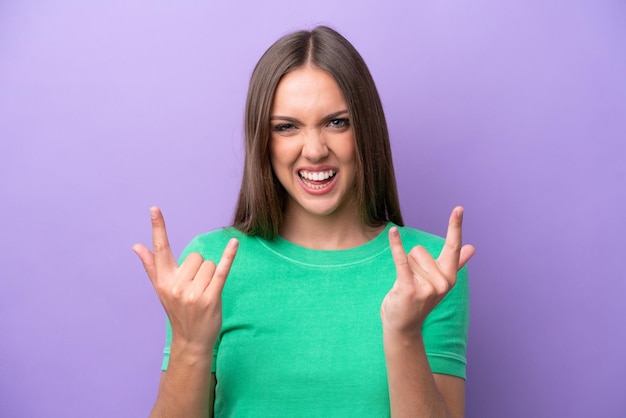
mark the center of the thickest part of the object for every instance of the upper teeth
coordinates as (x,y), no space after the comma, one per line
(317,175)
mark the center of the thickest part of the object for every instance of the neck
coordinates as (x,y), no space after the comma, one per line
(330,232)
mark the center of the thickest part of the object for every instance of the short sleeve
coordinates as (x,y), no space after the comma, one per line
(445,330)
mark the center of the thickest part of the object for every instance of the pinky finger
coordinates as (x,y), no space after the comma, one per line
(467,252)
(147,259)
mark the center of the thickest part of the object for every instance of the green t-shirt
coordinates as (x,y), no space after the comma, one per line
(302,334)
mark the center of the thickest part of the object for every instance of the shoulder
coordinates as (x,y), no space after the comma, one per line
(221,235)
(211,244)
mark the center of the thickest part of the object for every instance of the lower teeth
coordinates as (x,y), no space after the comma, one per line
(316,186)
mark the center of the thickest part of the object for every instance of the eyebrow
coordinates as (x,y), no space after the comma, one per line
(327,117)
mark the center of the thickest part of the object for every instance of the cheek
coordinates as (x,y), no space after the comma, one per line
(349,149)
(279,160)
(283,150)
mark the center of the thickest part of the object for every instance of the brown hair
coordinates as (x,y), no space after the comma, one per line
(261,197)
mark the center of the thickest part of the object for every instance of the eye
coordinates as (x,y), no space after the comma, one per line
(284,127)
(339,123)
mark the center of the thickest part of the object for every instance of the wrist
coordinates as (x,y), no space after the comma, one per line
(395,340)
(402,332)
(191,353)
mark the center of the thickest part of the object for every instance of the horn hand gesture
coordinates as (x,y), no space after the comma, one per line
(191,293)
(422,281)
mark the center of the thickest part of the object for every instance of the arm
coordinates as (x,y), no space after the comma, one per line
(452,389)
(421,283)
(191,296)
(414,391)
(184,389)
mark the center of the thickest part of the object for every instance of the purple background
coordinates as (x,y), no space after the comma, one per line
(515,109)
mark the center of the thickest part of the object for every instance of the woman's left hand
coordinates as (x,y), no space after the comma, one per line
(421,281)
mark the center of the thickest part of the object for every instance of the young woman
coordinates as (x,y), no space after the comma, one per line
(323,312)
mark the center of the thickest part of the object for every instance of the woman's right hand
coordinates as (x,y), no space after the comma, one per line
(191,293)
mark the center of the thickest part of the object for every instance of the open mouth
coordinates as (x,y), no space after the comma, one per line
(316,179)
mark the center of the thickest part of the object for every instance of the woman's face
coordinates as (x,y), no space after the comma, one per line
(312,144)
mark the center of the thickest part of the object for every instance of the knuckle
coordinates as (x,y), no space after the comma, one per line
(429,289)
(175,292)
(401,260)
(208,266)
(191,298)
(414,252)
(452,282)
(441,287)
(195,256)
(159,246)
(227,259)
(162,289)
(454,245)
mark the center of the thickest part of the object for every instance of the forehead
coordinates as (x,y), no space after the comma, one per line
(308,89)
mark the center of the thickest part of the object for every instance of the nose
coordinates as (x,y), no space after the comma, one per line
(314,148)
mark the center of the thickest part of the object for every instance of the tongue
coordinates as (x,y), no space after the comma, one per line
(317,181)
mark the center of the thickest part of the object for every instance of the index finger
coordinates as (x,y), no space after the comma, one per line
(451,252)
(163,257)
(223,268)
(400,258)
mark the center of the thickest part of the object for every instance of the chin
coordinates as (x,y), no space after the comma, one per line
(327,209)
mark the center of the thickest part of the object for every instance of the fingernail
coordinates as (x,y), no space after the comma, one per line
(153,213)
(394,232)
(233,243)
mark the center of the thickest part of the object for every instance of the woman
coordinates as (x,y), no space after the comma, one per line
(298,329)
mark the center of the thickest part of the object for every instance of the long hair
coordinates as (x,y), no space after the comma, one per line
(261,197)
